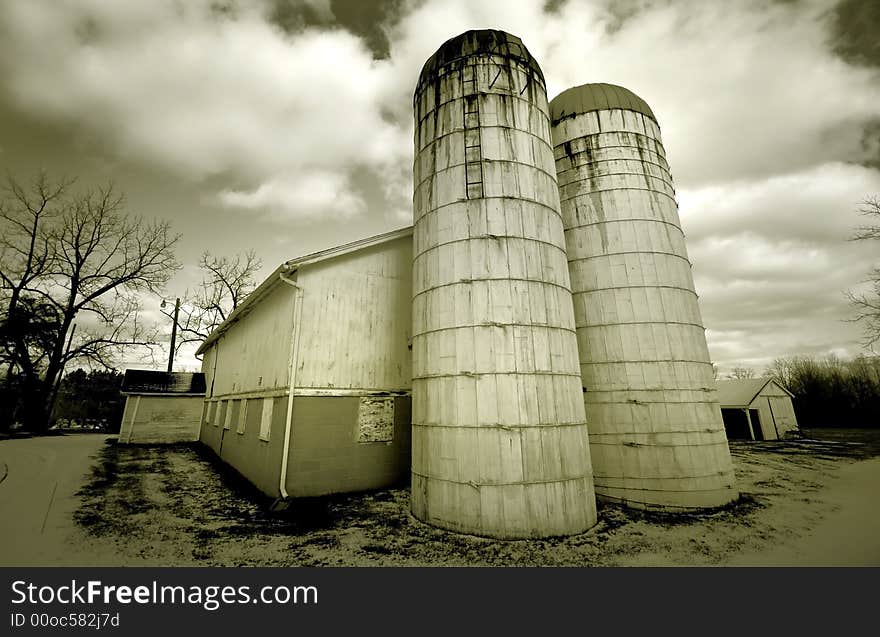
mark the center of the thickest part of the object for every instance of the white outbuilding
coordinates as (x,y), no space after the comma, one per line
(756,409)
(161,407)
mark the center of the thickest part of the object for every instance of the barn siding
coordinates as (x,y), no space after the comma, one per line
(356,320)
(354,338)
(254,354)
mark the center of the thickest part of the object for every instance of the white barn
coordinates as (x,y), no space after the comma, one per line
(331,330)
(756,409)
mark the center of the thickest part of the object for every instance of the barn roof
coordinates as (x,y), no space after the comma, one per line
(596,97)
(148,381)
(742,391)
(289,268)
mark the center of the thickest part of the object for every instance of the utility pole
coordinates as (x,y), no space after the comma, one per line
(173,335)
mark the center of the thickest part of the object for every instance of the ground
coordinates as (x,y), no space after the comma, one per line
(809,501)
(39,480)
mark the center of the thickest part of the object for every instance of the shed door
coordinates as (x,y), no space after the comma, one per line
(755,417)
(782,412)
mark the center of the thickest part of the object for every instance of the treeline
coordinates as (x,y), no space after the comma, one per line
(830,391)
(90,399)
(84,400)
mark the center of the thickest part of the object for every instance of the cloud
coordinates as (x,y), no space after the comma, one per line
(772,136)
(772,260)
(741,89)
(764,126)
(314,195)
(321,7)
(817,204)
(202,93)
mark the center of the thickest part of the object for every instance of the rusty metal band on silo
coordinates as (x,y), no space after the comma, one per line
(499,439)
(656,435)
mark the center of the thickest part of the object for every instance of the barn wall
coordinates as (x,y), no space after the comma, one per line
(161,419)
(353,340)
(326,456)
(357,315)
(257,460)
(254,354)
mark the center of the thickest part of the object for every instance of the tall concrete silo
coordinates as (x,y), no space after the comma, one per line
(499,438)
(656,435)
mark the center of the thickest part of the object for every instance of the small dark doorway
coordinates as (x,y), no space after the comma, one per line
(735,424)
(756,424)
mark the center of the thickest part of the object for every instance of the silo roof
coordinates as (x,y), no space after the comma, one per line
(475,42)
(596,97)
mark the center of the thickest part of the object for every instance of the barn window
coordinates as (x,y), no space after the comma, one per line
(266,419)
(375,419)
(211,413)
(242,416)
(218,413)
(230,409)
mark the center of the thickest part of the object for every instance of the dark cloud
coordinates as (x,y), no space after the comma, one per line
(294,16)
(286,126)
(367,20)
(856,31)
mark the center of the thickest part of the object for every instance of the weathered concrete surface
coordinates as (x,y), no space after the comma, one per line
(500,445)
(656,436)
(38,495)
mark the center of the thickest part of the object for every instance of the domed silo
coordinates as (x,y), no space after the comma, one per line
(499,438)
(656,435)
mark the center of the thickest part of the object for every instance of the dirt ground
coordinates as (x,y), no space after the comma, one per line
(177,506)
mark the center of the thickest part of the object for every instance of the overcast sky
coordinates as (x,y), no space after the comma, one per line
(286,126)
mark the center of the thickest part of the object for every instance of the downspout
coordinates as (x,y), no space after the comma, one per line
(281,502)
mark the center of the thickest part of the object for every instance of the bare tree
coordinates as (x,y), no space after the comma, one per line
(225,283)
(867,305)
(783,370)
(25,256)
(70,256)
(742,373)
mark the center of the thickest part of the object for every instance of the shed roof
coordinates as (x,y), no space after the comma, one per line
(596,97)
(148,381)
(289,267)
(740,392)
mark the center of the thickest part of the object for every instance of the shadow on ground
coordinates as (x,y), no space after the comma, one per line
(176,505)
